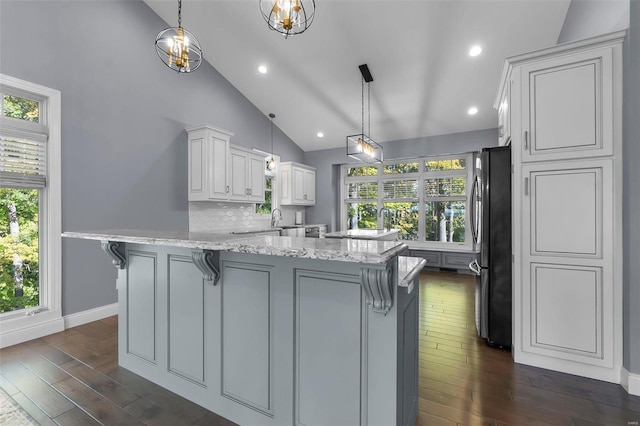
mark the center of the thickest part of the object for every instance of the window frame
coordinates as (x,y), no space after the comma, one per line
(20,326)
(273,175)
(421,176)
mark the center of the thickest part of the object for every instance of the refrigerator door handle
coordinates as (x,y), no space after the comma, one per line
(474,266)
(474,204)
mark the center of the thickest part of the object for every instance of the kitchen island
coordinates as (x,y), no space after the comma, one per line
(270,330)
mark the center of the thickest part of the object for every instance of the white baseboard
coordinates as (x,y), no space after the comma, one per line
(30,332)
(25,328)
(95,314)
(630,382)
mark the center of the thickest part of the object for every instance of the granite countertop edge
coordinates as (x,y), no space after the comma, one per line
(347,250)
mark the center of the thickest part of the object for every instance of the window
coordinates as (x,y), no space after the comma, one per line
(424,198)
(271,164)
(267,206)
(30,222)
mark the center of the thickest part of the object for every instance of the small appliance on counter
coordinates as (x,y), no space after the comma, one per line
(298,217)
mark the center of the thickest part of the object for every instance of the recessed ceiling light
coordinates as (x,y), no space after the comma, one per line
(262,69)
(472,111)
(475,50)
(320,135)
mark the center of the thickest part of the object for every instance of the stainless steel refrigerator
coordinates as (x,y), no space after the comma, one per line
(492,229)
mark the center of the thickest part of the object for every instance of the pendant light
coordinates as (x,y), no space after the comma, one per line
(288,17)
(361,147)
(271,164)
(178,48)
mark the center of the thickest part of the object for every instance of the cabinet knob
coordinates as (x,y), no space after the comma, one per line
(501,130)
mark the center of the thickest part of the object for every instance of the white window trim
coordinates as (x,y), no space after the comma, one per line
(47,319)
(274,179)
(421,176)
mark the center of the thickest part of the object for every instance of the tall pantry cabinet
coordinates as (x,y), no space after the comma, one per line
(564,121)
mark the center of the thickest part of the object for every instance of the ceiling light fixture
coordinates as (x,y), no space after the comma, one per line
(472,111)
(178,48)
(475,50)
(361,146)
(288,17)
(271,164)
(320,135)
(262,69)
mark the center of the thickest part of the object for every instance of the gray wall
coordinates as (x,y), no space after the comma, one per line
(590,18)
(124,151)
(631,191)
(327,174)
(594,17)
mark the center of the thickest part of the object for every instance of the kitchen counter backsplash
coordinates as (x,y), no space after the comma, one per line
(206,216)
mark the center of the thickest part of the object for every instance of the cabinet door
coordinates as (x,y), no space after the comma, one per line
(567,107)
(504,117)
(239,184)
(567,265)
(256,178)
(197,168)
(298,185)
(218,169)
(285,185)
(310,187)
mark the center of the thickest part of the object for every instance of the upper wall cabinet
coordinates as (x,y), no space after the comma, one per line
(247,175)
(297,184)
(567,106)
(209,173)
(503,105)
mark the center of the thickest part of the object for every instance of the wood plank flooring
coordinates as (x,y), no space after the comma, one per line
(73,378)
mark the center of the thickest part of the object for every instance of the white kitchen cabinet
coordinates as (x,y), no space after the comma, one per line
(209,173)
(297,184)
(247,175)
(566,137)
(504,115)
(567,106)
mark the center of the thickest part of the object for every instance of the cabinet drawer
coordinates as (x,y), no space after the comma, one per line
(456,260)
(432,257)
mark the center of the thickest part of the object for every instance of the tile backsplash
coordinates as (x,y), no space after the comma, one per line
(207,216)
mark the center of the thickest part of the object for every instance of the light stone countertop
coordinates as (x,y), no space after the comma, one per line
(362,233)
(408,270)
(346,250)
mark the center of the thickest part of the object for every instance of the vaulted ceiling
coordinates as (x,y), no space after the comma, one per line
(417,51)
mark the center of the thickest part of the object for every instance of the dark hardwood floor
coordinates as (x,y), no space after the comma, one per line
(73,378)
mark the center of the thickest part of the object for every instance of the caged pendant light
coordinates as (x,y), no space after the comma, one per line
(361,146)
(178,48)
(288,17)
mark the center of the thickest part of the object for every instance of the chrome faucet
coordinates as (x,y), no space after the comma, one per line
(274,219)
(385,218)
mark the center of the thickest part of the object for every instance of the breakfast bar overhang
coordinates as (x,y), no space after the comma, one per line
(271,330)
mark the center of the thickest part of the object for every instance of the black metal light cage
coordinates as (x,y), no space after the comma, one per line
(300,23)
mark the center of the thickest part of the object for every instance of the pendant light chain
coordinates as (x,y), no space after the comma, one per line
(179,13)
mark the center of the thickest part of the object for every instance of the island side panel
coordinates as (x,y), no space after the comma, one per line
(329,346)
(171,309)
(408,335)
(245,347)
